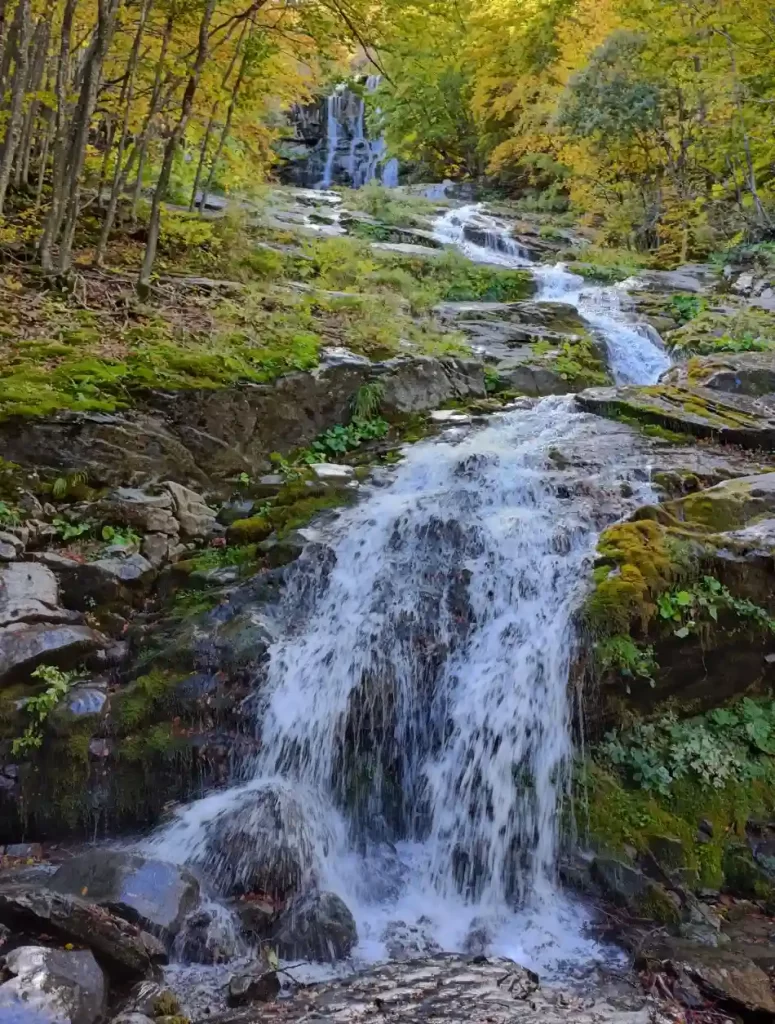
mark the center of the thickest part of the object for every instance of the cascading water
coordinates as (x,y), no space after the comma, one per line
(414,721)
(351,157)
(635,351)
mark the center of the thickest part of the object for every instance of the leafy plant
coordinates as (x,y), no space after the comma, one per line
(691,606)
(727,744)
(687,307)
(70,531)
(38,709)
(342,439)
(623,655)
(125,537)
(9,516)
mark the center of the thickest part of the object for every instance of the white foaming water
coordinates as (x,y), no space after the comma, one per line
(415,719)
(417,715)
(636,354)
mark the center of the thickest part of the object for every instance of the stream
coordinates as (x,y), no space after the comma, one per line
(415,719)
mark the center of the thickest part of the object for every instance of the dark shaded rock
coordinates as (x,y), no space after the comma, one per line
(259,986)
(719,973)
(261,845)
(107,581)
(409,942)
(316,926)
(63,984)
(154,894)
(258,917)
(152,999)
(242,508)
(207,937)
(200,436)
(29,594)
(628,886)
(23,648)
(122,948)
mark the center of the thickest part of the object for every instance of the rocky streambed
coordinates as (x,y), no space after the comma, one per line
(374,703)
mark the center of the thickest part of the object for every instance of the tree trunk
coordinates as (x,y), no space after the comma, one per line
(171,147)
(203,155)
(226,130)
(16,116)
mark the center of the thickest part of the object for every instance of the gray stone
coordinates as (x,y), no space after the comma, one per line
(316,926)
(67,985)
(696,279)
(131,1018)
(330,473)
(719,973)
(156,548)
(11,546)
(122,948)
(128,506)
(450,417)
(154,894)
(107,581)
(258,986)
(744,284)
(29,593)
(134,569)
(235,510)
(196,518)
(448,989)
(151,999)
(24,648)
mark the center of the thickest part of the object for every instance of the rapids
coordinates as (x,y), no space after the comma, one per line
(416,713)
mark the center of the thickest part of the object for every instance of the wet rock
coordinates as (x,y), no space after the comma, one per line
(257,986)
(233,511)
(409,941)
(156,548)
(719,973)
(151,999)
(447,988)
(702,412)
(316,926)
(628,886)
(257,916)
(64,985)
(208,937)
(154,894)
(196,518)
(281,551)
(23,648)
(106,581)
(87,700)
(121,947)
(262,845)
(738,373)
(696,279)
(330,473)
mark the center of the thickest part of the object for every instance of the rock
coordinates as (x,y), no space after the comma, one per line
(131,1018)
(107,581)
(122,948)
(130,506)
(156,548)
(736,373)
(731,419)
(208,937)
(151,999)
(196,518)
(719,973)
(30,593)
(152,893)
(233,511)
(261,845)
(67,985)
(406,249)
(744,284)
(258,917)
(87,699)
(628,886)
(11,546)
(451,989)
(315,926)
(696,279)
(23,648)
(500,329)
(408,942)
(27,851)
(450,417)
(258,986)
(283,550)
(330,473)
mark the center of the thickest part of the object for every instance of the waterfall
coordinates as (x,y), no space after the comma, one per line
(351,156)
(636,354)
(414,717)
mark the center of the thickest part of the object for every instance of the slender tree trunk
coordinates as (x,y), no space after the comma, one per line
(154,107)
(16,117)
(171,147)
(23,154)
(120,175)
(103,35)
(203,155)
(44,151)
(226,130)
(59,140)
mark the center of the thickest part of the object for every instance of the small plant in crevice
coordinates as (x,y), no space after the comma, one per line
(124,537)
(691,607)
(341,439)
(367,400)
(633,661)
(39,708)
(686,307)
(67,530)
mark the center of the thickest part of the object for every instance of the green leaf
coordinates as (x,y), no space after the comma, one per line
(683,598)
(683,632)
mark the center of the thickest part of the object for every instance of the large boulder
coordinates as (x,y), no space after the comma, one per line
(154,894)
(62,985)
(739,373)
(720,974)
(29,593)
(196,518)
(122,948)
(316,926)
(264,845)
(730,418)
(24,648)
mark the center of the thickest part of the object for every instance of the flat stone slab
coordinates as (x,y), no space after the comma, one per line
(703,412)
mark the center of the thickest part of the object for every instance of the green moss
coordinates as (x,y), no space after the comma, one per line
(743,876)
(252,530)
(291,514)
(656,905)
(166,1005)
(142,701)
